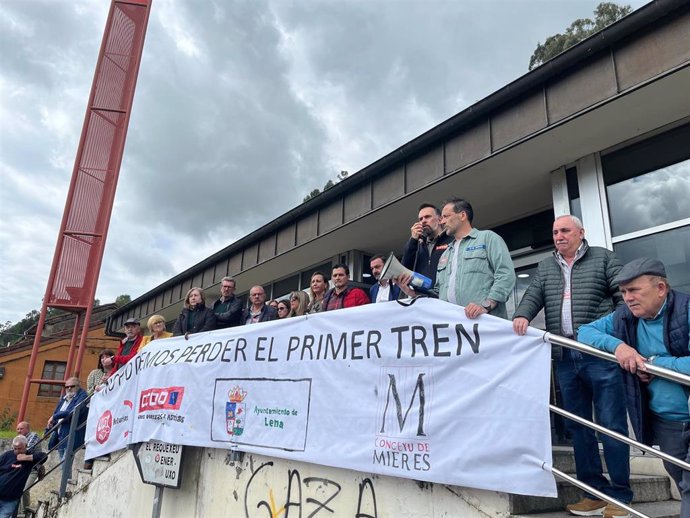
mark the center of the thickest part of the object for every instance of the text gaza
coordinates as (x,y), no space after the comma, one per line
(169,398)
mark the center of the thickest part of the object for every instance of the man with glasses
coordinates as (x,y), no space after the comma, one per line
(228,308)
(258,311)
(63,414)
(15,468)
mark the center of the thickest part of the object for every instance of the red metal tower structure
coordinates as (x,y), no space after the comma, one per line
(84,228)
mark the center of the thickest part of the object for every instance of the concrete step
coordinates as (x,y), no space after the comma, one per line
(564,458)
(667,509)
(100,464)
(83,477)
(645,488)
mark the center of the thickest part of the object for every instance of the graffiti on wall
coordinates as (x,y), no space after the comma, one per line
(303,497)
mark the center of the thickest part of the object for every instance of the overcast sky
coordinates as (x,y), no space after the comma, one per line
(242,108)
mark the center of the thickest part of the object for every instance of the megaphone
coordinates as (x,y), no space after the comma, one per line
(393,268)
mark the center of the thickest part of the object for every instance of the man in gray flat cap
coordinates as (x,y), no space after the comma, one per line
(652,328)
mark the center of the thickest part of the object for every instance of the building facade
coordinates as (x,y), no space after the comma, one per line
(601,131)
(50,364)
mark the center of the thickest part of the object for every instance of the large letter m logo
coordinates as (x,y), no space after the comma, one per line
(418,393)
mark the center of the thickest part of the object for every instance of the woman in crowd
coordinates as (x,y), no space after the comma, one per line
(317,289)
(283,308)
(98,377)
(156,325)
(273,303)
(195,317)
(299,301)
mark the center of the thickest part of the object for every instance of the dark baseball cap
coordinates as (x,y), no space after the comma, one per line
(640,266)
(132,321)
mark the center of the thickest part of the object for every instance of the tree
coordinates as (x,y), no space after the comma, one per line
(604,15)
(341,176)
(121,300)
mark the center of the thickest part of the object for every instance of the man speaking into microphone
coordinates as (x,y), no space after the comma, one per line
(427,242)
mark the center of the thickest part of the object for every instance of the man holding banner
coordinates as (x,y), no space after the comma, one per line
(576,286)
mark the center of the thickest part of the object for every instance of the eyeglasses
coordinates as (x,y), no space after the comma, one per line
(282,309)
(70,386)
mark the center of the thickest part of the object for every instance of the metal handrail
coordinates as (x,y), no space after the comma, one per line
(650,369)
(683,379)
(623,438)
(598,494)
(67,461)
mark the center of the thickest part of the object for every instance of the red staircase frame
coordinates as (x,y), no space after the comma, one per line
(84,228)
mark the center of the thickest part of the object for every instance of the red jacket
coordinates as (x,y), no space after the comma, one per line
(120,359)
(351,297)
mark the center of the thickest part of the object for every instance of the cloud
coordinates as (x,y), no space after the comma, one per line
(241,109)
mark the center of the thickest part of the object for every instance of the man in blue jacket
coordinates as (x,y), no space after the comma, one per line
(63,414)
(652,328)
(381,290)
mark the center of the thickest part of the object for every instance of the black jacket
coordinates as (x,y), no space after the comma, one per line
(204,320)
(416,257)
(231,317)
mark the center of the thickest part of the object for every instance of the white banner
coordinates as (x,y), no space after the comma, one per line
(419,392)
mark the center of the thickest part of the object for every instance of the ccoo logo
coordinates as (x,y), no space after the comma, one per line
(169,398)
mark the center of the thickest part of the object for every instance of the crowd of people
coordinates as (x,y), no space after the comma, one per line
(586,293)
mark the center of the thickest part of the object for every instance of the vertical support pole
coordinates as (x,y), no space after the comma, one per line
(82,341)
(69,449)
(72,346)
(32,364)
(157,502)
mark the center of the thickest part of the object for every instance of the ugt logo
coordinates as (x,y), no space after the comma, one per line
(104,426)
(412,385)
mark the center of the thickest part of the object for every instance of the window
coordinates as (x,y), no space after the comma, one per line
(530,232)
(648,188)
(283,287)
(671,247)
(52,371)
(648,183)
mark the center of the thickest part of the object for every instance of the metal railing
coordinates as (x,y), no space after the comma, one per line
(67,461)
(70,451)
(651,369)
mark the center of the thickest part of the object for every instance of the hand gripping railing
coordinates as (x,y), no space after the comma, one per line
(651,369)
(68,441)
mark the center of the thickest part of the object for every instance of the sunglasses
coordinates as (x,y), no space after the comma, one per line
(70,386)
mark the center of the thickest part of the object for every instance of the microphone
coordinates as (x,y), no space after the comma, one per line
(426,235)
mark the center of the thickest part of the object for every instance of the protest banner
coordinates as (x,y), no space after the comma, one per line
(419,392)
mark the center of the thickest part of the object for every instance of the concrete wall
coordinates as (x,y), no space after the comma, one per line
(262,487)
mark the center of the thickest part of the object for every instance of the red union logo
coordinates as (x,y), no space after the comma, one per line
(169,398)
(105,424)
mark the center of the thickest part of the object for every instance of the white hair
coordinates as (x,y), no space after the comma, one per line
(19,439)
(576,221)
